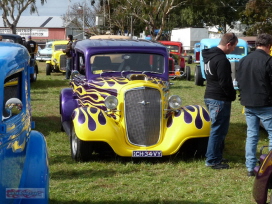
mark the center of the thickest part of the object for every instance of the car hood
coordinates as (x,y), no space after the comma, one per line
(112,86)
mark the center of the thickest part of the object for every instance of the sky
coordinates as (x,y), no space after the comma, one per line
(52,7)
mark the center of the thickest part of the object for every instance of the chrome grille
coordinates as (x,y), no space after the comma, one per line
(63,62)
(143,116)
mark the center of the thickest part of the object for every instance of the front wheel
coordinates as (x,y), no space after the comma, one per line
(33,77)
(80,150)
(48,69)
(199,81)
(188,73)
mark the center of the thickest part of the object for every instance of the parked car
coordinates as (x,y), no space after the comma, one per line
(263,178)
(240,51)
(251,40)
(24,171)
(46,53)
(177,68)
(13,38)
(57,63)
(119,100)
(197,52)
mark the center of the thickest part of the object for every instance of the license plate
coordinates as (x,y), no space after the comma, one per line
(147,153)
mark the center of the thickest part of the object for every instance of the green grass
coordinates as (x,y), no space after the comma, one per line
(115,180)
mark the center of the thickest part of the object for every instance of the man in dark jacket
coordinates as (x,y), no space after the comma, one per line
(32,47)
(254,76)
(218,96)
(69,56)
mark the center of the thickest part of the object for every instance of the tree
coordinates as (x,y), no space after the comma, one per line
(154,13)
(74,16)
(257,16)
(10,7)
(219,13)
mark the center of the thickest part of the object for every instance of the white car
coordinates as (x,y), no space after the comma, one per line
(46,53)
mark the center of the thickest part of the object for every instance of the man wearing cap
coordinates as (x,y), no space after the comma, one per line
(31,47)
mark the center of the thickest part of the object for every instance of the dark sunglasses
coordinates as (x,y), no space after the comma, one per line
(232,38)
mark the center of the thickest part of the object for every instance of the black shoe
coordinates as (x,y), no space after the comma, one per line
(224,160)
(250,173)
(221,166)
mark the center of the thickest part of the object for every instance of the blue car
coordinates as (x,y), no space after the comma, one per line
(240,51)
(24,172)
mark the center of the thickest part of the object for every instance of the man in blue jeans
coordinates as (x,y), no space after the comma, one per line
(69,56)
(218,96)
(254,76)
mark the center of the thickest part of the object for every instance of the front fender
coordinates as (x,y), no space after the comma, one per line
(36,168)
(263,179)
(91,123)
(190,122)
(67,104)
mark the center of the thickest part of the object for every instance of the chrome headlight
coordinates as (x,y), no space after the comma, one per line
(111,102)
(174,102)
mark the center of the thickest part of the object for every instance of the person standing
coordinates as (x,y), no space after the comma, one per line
(254,77)
(24,41)
(69,56)
(218,96)
(32,47)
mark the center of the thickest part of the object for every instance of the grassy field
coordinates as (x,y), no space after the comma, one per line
(115,180)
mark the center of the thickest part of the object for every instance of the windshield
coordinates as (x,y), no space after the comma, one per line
(239,50)
(127,62)
(60,47)
(172,48)
(48,45)
(8,40)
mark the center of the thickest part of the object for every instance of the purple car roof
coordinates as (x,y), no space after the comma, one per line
(117,43)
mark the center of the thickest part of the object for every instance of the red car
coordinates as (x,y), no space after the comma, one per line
(177,67)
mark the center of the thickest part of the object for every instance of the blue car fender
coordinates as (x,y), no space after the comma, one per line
(36,168)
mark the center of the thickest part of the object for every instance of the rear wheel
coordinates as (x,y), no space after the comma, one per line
(188,73)
(80,150)
(48,69)
(199,81)
(190,60)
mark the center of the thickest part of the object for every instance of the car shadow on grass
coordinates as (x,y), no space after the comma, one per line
(128,202)
(45,84)
(47,124)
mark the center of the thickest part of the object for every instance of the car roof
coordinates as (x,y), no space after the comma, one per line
(16,38)
(171,43)
(9,34)
(110,37)
(117,44)
(13,57)
(213,42)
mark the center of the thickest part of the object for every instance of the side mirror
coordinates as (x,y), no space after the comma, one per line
(13,106)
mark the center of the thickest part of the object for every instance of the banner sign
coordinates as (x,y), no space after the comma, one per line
(24,32)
